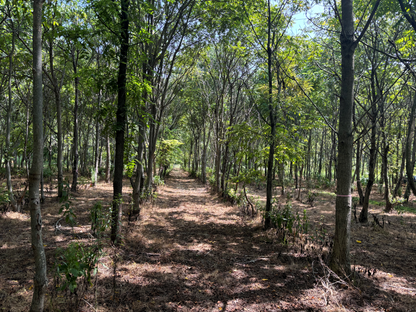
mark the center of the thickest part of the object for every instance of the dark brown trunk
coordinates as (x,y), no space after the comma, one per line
(121,125)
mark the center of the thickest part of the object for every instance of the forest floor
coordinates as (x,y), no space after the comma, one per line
(191,251)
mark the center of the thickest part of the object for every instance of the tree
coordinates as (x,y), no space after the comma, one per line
(340,260)
(121,122)
(40,279)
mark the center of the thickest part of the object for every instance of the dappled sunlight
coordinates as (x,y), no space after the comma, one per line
(192,251)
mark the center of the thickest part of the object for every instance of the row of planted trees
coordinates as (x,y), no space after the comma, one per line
(269,107)
(246,98)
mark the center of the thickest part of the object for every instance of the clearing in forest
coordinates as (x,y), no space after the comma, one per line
(191,251)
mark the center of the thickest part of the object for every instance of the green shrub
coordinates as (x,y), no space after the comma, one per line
(157,180)
(212,180)
(100,219)
(66,207)
(74,263)
(287,222)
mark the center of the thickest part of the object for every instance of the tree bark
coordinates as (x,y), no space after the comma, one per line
(269,185)
(75,138)
(400,175)
(97,143)
(107,160)
(139,171)
(8,127)
(340,260)
(410,134)
(121,124)
(40,279)
(358,171)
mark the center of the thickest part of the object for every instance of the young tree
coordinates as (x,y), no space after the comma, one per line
(340,260)
(121,122)
(40,279)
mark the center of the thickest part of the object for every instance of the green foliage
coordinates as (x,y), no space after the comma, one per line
(4,198)
(287,222)
(364,181)
(376,203)
(47,173)
(92,174)
(77,261)
(211,180)
(100,219)
(66,208)
(402,207)
(157,180)
(168,153)
(400,192)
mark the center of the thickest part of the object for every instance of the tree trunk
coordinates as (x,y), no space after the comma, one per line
(321,153)
(357,170)
(272,120)
(40,280)
(75,139)
(363,218)
(8,127)
(386,148)
(400,175)
(204,157)
(308,156)
(139,171)
(121,125)
(107,160)
(25,154)
(340,260)
(97,143)
(410,134)
(282,176)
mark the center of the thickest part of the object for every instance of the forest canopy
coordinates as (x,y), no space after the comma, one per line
(228,90)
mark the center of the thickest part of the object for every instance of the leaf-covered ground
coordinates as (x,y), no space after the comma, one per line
(191,251)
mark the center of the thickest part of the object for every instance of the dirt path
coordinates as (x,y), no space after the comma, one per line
(193,252)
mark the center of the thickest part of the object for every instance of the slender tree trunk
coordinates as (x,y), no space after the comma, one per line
(400,175)
(40,280)
(204,157)
(25,154)
(121,125)
(296,176)
(75,138)
(321,153)
(357,170)
(272,120)
(410,134)
(386,148)
(139,172)
(224,168)
(8,127)
(151,149)
(340,260)
(308,164)
(217,162)
(108,160)
(282,176)
(331,158)
(97,143)
(363,218)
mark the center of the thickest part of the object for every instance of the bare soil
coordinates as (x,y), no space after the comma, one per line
(191,251)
